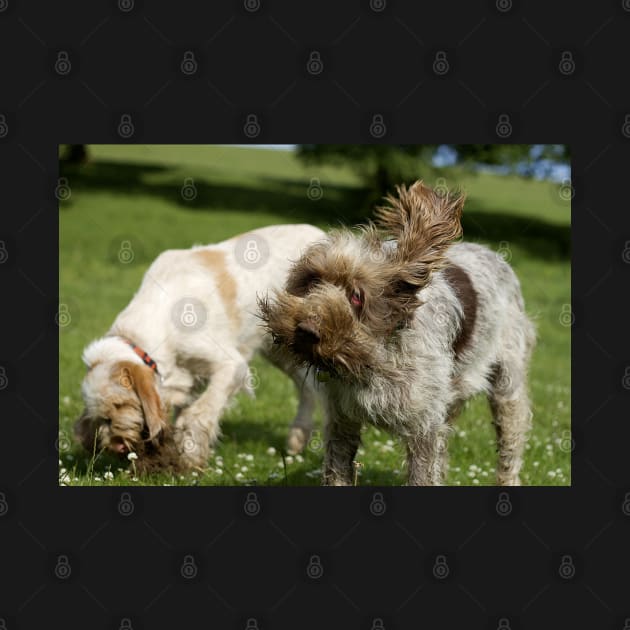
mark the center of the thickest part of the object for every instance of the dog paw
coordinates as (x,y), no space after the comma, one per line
(194,450)
(297,440)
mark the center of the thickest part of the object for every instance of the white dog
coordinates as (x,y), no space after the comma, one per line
(184,343)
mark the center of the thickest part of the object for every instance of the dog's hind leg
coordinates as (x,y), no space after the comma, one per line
(511,412)
(511,422)
(302,425)
(510,404)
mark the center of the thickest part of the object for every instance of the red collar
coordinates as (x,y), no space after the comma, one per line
(146,359)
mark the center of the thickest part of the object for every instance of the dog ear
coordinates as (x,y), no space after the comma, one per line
(142,379)
(424,223)
(85,431)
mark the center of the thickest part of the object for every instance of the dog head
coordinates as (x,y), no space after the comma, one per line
(347,295)
(123,411)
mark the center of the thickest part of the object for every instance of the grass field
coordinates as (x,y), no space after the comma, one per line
(134,194)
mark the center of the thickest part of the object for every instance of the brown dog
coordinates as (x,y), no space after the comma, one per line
(402,328)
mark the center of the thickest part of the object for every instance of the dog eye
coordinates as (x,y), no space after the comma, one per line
(310,283)
(356,299)
(304,285)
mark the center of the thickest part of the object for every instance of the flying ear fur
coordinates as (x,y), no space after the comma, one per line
(424,223)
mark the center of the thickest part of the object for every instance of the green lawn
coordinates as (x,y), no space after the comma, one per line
(133,193)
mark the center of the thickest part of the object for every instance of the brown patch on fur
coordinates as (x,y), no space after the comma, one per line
(215,261)
(140,378)
(460,282)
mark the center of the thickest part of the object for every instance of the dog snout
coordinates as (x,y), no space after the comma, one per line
(307,333)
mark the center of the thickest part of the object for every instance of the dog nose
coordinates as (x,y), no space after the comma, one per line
(307,332)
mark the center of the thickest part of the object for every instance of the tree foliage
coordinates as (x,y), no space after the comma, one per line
(382,166)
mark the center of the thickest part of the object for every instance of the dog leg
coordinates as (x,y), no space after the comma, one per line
(427,458)
(509,401)
(511,413)
(511,422)
(302,425)
(453,412)
(197,426)
(342,439)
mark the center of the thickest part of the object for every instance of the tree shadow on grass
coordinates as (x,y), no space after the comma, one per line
(332,206)
(539,238)
(123,178)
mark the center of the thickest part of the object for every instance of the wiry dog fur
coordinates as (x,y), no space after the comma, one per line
(405,326)
(128,405)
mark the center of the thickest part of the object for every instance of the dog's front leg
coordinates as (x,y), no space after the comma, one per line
(342,439)
(197,426)
(427,457)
